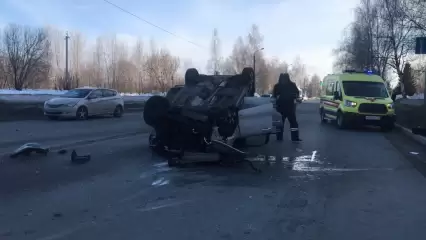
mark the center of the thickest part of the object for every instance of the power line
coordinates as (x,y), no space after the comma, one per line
(152,24)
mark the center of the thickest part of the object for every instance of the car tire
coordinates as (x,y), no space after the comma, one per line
(322,115)
(82,113)
(340,121)
(53,117)
(118,111)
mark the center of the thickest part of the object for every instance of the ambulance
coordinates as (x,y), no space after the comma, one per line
(353,98)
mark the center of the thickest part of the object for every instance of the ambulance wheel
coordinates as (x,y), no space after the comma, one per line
(340,121)
(322,115)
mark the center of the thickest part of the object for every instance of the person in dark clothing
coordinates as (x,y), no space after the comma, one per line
(286,92)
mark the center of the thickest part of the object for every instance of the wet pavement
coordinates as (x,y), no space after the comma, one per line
(336,184)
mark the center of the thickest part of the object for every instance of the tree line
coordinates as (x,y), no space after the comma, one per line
(382,38)
(34,57)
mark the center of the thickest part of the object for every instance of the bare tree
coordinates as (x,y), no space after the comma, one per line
(98,63)
(4,71)
(139,61)
(298,72)
(408,81)
(415,11)
(76,58)
(274,68)
(213,65)
(26,49)
(398,30)
(313,89)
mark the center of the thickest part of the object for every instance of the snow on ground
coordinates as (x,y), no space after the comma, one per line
(41,95)
(415,96)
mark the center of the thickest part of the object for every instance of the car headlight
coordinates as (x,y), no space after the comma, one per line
(390,105)
(350,103)
(70,104)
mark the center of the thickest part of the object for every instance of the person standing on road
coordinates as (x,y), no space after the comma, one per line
(286,92)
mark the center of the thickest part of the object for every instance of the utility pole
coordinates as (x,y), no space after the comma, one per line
(67,85)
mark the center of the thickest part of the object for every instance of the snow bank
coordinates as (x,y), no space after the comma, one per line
(58,92)
(415,96)
(31,92)
(41,95)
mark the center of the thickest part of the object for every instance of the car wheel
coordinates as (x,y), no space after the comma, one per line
(82,113)
(118,111)
(340,121)
(322,115)
(267,138)
(53,117)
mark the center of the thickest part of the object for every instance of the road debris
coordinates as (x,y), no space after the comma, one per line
(79,159)
(29,148)
(62,151)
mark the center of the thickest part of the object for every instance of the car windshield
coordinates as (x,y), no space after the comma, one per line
(77,93)
(365,89)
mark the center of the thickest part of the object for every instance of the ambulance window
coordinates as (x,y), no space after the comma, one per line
(338,88)
(330,87)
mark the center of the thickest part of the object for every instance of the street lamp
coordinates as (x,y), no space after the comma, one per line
(254,68)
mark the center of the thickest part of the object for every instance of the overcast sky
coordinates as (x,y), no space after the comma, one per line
(306,28)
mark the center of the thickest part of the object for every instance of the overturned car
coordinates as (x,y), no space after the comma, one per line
(209,114)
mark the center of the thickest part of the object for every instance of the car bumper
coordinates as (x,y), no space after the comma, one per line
(65,112)
(369,119)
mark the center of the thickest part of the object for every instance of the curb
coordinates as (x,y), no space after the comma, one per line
(407,132)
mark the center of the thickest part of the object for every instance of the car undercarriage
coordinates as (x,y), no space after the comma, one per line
(207,115)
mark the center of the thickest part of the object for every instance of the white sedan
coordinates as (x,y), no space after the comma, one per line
(81,103)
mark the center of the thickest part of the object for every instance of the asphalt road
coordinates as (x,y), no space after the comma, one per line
(64,132)
(334,185)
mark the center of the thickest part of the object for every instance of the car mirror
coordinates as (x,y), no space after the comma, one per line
(92,97)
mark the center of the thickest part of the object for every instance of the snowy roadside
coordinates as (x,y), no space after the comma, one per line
(42,95)
(28,104)
(416,96)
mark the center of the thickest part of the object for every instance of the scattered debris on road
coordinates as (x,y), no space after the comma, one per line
(62,151)
(79,159)
(29,148)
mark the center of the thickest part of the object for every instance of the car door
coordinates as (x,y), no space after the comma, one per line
(338,98)
(94,102)
(256,117)
(108,100)
(328,102)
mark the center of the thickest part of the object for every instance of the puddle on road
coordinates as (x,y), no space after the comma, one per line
(306,163)
(302,166)
(302,163)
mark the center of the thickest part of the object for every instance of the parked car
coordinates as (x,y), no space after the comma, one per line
(81,103)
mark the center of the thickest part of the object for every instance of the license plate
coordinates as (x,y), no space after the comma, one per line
(372,117)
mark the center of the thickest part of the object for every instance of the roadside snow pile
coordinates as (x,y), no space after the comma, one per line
(415,96)
(31,92)
(59,92)
(41,95)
